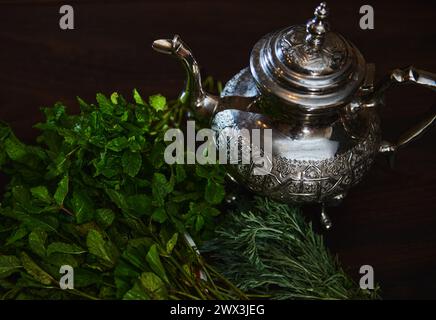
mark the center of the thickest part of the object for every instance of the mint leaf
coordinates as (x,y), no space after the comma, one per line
(15,149)
(37,239)
(203,171)
(159,215)
(104,217)
(41,193)
(158,102)
(137,97)
(125,116)
(172,243)
(157,155)
(154,262)
(149,287)
(105,104)
(154,286)
(214,193)
(199,223)
(180,173)
(22,196)
(20,233)
(82,206)
(84,278)
(131,162)
(35,271)
(161,188)
(101,248)
(62,190)
(63,247)
(9,265)
(117,198)
(140,204)
(84,107)
(60,259)
(137,292)
(118,144)
(114,98)
(198,212)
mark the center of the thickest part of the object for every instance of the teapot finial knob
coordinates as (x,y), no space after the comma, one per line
(318,26)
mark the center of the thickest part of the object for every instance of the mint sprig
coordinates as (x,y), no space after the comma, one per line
(95,193)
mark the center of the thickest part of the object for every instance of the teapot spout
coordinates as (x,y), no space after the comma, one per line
(204,104)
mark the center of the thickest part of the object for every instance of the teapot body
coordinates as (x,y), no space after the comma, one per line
(312,160)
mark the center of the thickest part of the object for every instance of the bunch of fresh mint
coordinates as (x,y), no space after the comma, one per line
(95,194)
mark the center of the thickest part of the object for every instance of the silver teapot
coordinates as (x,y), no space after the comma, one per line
(315,91)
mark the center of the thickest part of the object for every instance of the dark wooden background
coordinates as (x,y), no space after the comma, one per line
(389,221)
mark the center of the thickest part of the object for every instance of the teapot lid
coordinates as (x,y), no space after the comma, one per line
(308,65)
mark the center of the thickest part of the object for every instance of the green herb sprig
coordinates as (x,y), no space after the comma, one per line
(270,250)
(95,193)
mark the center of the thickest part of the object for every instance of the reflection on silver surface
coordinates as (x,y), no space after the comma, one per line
(312,149)
(315,91)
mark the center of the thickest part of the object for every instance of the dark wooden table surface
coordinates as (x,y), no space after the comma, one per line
(388,221)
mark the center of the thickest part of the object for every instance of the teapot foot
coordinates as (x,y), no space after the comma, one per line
(325,219)
(389,150)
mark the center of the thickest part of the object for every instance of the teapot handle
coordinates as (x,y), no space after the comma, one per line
(408,75)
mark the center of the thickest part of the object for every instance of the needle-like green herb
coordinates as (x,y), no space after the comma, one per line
(271,250)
